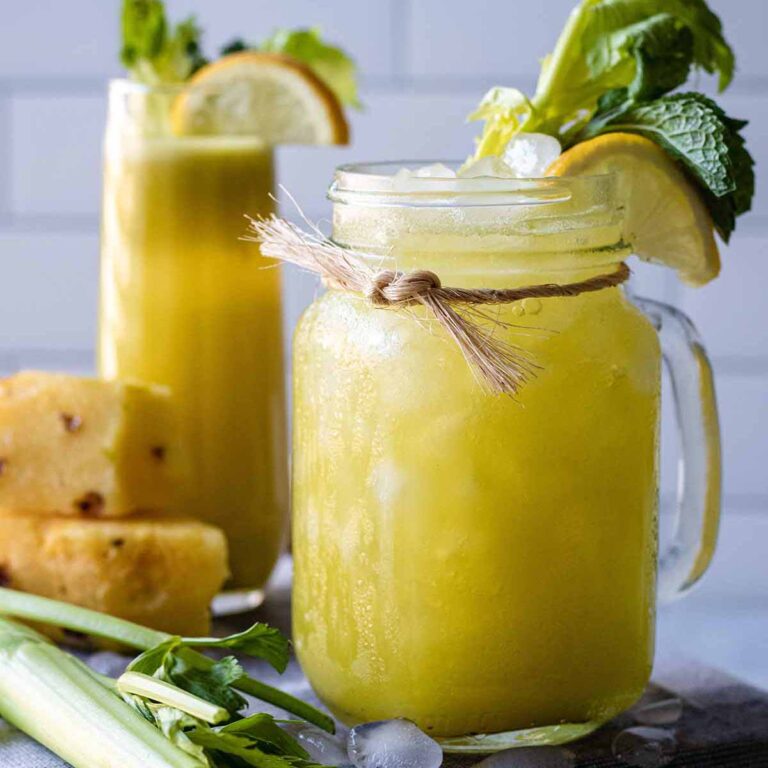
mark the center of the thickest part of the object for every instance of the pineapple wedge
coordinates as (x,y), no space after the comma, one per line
(86,447)
(160,573)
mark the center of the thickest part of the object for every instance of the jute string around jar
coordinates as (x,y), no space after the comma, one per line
(502,367)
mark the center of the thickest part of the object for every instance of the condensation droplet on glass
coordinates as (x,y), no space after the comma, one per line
(530,757)
(665,712)
(532,306)
(643,747)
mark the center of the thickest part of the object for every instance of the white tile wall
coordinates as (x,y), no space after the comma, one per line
(484,39)
(56,159)
(365,28)
(48,290)
(730,312)
(424,63)
(59,40)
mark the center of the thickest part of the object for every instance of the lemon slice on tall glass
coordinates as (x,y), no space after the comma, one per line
(266,95)
(666,221)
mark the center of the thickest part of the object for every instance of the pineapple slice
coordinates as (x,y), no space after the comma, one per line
(86,447)
(160,573)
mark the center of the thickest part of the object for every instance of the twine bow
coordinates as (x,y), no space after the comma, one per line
(502,367)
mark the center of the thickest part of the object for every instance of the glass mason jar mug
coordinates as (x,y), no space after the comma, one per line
(486,565)
(186,304)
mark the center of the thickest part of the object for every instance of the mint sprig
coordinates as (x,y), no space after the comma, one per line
(703,139)
(614,68)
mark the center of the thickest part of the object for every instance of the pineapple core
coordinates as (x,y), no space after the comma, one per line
(86,447)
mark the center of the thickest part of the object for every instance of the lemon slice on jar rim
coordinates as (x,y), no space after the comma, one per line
(265,95)
(666,220)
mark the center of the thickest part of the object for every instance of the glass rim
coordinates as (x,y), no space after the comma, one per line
(375,183)
(128,86)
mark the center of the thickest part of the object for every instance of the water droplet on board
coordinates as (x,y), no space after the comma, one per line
(645,747)
(530,757)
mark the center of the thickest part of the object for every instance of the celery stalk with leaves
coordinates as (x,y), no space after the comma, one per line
(156,52)
(173,708)
(615,68)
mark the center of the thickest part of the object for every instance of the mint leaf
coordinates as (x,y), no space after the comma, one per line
(151,51)
(260,640)
(704,140)
(330,63)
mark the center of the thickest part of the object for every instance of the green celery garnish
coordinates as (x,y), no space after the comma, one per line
(330,63)
(613,68)
(152,51)
(183,694)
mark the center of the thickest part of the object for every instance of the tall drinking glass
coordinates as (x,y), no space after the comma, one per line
(482,564)
(186,304)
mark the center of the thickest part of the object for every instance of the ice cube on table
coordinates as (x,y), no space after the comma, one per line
(322,747)
(493,167)
(664,712)
(643,747)
(530,757)
(392,744)
(530,154)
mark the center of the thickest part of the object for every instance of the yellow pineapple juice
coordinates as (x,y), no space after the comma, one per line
(186,304)
(477,563)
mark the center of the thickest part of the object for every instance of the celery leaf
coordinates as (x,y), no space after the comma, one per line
(330,63)
(152,51)
(259,640)
(212,683)
(643,47)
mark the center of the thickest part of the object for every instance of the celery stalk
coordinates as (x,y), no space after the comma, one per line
(46,693)
(163,693)
(34,608)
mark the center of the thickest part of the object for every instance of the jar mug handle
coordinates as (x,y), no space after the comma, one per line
(683,561)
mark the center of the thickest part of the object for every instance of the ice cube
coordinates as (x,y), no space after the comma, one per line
(663,712)
(644,747)
(322,747)
(530,757)
(493,167)
(435,171)
(393,744)
(530,154)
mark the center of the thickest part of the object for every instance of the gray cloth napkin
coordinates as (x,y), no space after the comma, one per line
(723,721)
